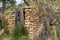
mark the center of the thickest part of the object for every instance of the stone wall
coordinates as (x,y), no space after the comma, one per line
(10,21)
(32,22)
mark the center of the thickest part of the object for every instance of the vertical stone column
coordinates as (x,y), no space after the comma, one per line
(10,20)
(32,22)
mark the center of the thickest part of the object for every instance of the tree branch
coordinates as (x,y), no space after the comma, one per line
(26,3)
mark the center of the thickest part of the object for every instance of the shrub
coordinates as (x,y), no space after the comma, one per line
(19,32)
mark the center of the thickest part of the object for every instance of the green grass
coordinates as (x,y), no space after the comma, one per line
(12,38)
(19,33)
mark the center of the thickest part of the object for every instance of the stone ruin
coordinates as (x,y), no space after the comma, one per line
(37,21)
(31,21)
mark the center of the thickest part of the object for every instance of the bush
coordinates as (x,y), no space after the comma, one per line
(19,33)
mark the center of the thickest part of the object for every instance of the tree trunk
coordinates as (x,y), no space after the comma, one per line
(3,6)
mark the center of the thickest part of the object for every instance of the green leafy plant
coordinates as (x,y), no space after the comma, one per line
(19,32)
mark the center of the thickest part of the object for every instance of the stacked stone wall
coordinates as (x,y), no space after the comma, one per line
(10,21)
(32,22)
